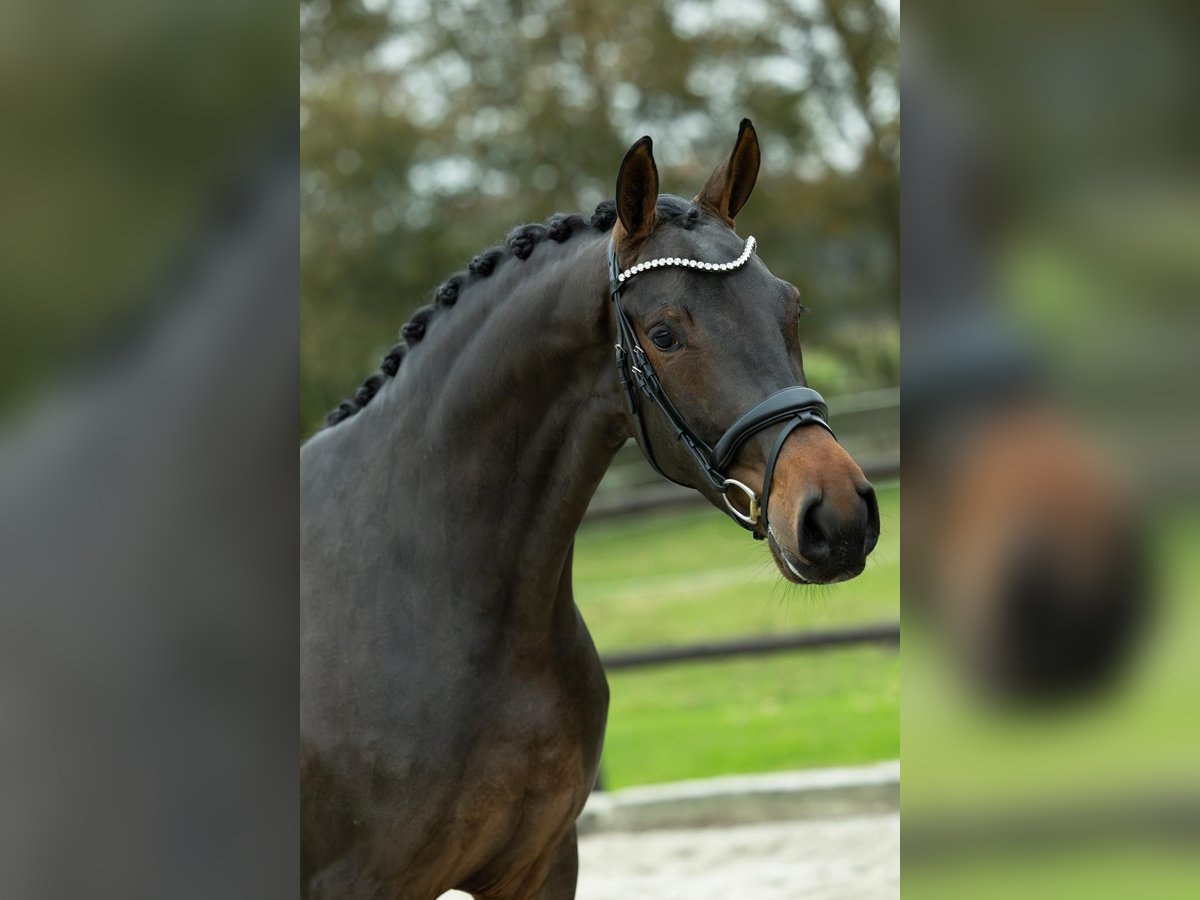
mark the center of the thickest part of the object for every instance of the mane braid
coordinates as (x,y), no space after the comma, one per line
(520,244)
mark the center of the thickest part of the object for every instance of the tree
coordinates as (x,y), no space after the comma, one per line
(429,129)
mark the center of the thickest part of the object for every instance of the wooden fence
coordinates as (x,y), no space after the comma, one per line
(881,633)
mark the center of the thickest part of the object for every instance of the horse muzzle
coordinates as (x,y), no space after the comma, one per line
(824,517)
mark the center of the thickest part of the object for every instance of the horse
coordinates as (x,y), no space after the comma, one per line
(453,704)
(1024,552)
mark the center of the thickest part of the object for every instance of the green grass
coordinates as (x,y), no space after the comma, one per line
(1137,744)
(1142,735)
(696,720)
(690,576)
(1100,870)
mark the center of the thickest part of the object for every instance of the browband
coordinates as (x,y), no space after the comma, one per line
(678,261)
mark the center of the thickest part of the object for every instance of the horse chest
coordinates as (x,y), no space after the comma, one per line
(527,771)
(541,744)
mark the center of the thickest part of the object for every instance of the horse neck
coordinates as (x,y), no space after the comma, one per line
(500,426)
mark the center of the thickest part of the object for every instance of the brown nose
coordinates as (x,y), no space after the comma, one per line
(838,536)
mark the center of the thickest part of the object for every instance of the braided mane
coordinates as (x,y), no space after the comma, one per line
(519,244)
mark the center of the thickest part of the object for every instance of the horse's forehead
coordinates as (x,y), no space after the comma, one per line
(752,286)
(706,241)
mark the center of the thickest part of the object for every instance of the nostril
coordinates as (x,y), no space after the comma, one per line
(813,536)
(871,533)
(814,539)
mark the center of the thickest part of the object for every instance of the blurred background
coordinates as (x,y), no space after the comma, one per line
(120,148)
(148,385)
(1051,271)
(430,129)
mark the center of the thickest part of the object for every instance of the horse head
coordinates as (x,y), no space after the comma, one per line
(708,345)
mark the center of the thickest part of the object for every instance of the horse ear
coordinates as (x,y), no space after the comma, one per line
(637,190)
(729,186)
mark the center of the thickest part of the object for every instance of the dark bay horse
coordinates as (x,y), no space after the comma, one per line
(452,702)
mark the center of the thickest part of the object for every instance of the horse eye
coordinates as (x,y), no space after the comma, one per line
(663,339)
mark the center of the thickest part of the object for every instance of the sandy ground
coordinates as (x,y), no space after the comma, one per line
(855,859)
(829,859)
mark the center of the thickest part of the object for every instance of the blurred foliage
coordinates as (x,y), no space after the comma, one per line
(110,175)
(855,356)
(429,129)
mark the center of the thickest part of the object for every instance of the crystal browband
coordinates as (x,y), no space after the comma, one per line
(665,261)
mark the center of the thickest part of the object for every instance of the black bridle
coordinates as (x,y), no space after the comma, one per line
(794,406)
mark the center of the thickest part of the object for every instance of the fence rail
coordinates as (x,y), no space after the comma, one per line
(879,633)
